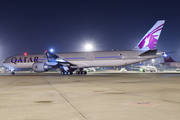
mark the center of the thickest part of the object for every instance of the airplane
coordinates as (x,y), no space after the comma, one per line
(123,70)
(90,69)
(168,61)
(69,62)
(148,68)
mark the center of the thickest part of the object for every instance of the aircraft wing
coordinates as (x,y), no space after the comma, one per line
(53,58)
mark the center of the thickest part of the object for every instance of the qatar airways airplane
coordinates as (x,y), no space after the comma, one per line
(69,62)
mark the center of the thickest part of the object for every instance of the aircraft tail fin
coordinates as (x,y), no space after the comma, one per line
(150,39)
(167,58)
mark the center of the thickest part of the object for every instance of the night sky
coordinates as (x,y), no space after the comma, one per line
(34,26)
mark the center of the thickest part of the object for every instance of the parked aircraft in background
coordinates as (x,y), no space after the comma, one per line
(90,69)
(123,70)
(69,62)
(147,68)
(168,61)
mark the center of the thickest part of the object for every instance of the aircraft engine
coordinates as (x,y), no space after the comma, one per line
(40,67)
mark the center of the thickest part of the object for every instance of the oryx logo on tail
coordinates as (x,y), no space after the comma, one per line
(149,41)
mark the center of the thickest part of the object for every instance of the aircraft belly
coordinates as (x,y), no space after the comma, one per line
(99,63)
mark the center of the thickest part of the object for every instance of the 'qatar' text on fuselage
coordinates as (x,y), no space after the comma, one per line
(24,59)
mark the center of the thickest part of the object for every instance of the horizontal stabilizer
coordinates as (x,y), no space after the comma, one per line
(149,52)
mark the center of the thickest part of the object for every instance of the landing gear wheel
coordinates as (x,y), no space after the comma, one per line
(66,73)
(81,72)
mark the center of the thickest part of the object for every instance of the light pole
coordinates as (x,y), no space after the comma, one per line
(153,61)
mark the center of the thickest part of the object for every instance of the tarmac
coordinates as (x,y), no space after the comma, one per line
(96,96)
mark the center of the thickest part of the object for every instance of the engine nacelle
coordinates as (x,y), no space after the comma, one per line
(40,67)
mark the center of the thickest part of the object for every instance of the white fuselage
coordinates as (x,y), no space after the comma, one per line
(83,59)
(172,64)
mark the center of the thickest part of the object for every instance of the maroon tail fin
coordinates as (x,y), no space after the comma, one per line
(167,58)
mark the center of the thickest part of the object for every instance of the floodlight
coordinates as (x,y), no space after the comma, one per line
(88,47)
(51,50)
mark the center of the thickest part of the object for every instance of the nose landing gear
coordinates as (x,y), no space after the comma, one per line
(12,73)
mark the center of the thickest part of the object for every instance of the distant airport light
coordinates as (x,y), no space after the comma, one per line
(153,61)
(51,50)
(88,47)
(25,54)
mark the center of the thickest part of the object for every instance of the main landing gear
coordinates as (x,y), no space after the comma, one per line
(66,73)
(81,72)
(78,72)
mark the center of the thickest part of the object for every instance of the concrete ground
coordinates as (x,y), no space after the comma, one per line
(96,96)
